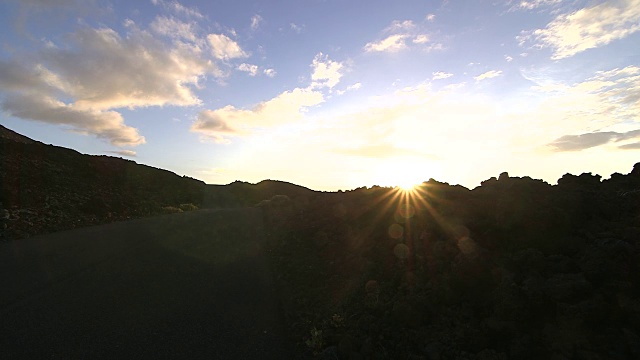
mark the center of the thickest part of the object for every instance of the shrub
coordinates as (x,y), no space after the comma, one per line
(171,210)
(188,207)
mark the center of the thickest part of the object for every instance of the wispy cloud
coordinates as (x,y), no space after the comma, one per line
(589,140)
(248,68)
(173,28)
(224,48)
(438,75)
(297,28)
(325,71)
(400,26)
(534,4)
(269,72)
(128,153)
(355,86)
(256,20)
(587,28)
(402,34)
(288,107)
(178,8)
(392,43)
(229,121)
(488,75)
(421,39)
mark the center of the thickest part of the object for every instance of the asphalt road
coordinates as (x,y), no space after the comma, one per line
(193,285)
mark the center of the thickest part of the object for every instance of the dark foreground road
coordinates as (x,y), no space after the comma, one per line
(187,286)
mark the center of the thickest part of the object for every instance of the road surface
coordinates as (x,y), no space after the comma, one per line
(193,286)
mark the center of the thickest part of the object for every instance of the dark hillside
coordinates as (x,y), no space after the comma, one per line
(513,269)
(240,194)
(46,188)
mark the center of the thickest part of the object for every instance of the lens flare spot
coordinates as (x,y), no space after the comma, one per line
(396,231)
(467,246)
(401,251)
(406,210)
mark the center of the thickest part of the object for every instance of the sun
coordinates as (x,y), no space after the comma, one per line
(407,184)
(405,173)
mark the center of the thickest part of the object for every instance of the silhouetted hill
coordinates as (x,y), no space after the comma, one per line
(513,269)
(14,136)
(47,188)
(241,193)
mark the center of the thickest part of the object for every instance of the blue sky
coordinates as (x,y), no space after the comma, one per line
(330,94)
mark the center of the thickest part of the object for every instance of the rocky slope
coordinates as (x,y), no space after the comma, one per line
(514,269)
(46,188)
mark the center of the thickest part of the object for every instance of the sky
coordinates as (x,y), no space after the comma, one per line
(330,94)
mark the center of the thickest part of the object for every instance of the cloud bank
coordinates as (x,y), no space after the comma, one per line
(589,140)
(82,82)
(588,28)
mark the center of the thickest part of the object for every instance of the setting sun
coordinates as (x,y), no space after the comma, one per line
(408,185)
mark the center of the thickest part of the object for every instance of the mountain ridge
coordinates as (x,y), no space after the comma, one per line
(46,188)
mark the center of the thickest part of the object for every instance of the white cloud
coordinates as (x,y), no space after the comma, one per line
(438,75)
(107,125)
(607,99)
(143,70)
(430,17)
(224,48)
(129,153)
(508,58)
(269,72)
(355,86)
(297,28)
(325,71)
(533,4)
(256,20)
(178,8)
(421,39)
(228,121)
(398,35)
(488,75)
(173,28)
(588,28)
(398,25)
(249,68)
(98,70)
(392,43)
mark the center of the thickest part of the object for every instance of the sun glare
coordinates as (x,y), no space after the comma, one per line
(407,185)
(405,173)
